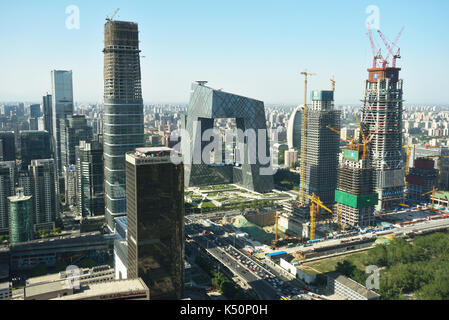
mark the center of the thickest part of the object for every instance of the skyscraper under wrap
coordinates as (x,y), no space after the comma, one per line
(123,110)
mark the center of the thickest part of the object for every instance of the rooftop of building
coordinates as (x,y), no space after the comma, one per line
(353,285)
(46,287)
(115,288)
(19,198)
(5,285)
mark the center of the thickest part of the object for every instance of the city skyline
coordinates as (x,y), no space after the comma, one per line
(249,48)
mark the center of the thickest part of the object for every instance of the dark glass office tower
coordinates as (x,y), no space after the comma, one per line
(47,113)
(155,214)
(123,110)
(90,175)
(34,145)
(20,218)
(7,146)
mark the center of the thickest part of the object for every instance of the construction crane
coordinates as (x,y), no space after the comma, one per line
(113,15)
(407,163)
(274,242)
(303,138)
(404,205)
(376,53)
(315,206)
(396,55)
(333,83)
(366,139)
(339,133)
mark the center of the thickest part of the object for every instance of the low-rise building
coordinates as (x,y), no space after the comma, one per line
(349,289)
(5,290)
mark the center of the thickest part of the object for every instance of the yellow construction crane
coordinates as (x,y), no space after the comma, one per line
(404,205)
(333,83)
(366,139)
(113,15)
(303,138)
(339,133)
(433,196)
(407,163)
(274,242)
(315,206)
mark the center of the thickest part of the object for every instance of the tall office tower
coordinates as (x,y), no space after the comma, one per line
(47,113)
(44,180)
(122,112)
(382,117)
(7,185)
(7,146)
(90,174)
(20,218)
(71,187)
(35,113)
(73,128)
(155,217)
(62,106)
(322,147)
(354,197)
(34,145)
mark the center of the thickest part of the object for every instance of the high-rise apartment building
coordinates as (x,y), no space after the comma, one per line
(73,128)
(45,193)
(62,106)
(7,189)
(382,118)
(34,145)
(122,112)
(322,147)
(7,146)
(90,175)
(155,218)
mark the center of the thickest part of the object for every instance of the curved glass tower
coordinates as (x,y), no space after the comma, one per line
(123,110)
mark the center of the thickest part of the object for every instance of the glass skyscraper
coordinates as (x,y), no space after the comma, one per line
(62,105)
(123,110)
(155,219)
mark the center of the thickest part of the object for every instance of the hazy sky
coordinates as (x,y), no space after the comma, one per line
(253,48)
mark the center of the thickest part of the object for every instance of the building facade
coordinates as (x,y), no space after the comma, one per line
(62,106)
(34,145)
(20,218)
(155,218)
(122,112)
(90,175)
(7,146)
(7,189)
(45,193)
(322,147)
(73,128)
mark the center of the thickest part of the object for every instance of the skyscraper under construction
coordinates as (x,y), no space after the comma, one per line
(322,146)
(123,110)
(382,117)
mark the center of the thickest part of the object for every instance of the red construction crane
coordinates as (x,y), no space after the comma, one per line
(376,53)
(390,48)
